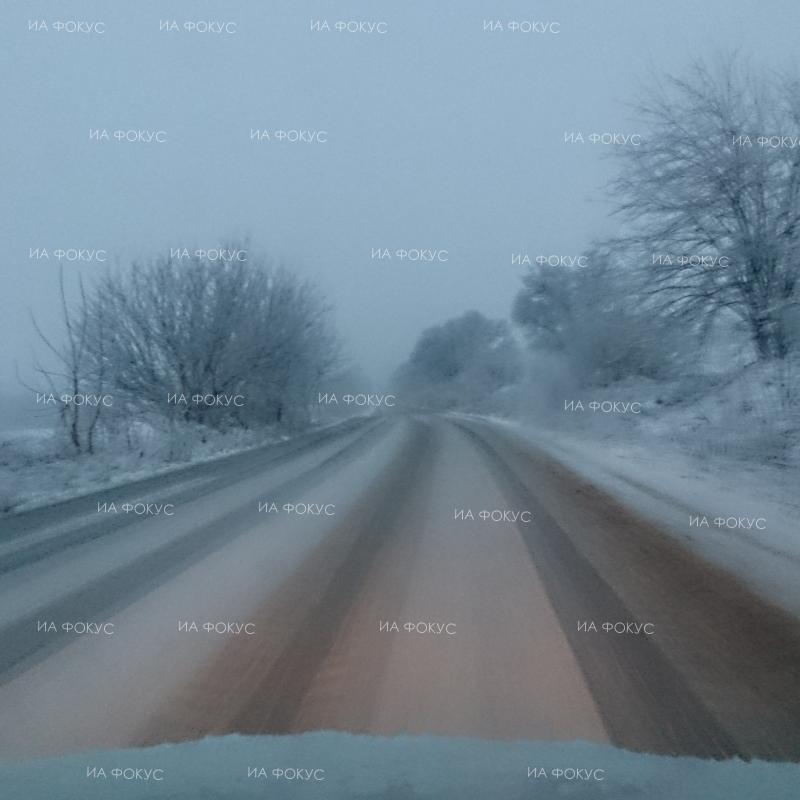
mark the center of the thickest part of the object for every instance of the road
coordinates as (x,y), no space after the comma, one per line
(507,639)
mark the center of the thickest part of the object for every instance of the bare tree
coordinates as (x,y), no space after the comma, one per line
(78,370)
(596,321)
(195,327)
(462,363)
(718,175)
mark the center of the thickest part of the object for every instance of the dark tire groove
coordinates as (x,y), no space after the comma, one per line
(664,715)
(276,701)
(115,590)
(227,473)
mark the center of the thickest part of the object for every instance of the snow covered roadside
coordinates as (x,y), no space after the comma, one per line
(32,476)
(340,766)
(670,487)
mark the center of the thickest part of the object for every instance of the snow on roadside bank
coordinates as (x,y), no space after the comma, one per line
(31,476)
(340,766)
(669,487)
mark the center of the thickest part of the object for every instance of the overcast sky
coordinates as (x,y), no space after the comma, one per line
(440,135)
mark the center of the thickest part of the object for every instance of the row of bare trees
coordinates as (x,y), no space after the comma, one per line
(709,250)
(462,363)
(710,209)
(160,335)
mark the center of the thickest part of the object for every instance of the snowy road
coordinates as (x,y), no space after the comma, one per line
(507,639)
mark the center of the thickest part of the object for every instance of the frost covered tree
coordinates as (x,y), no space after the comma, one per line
(460,364)
(596,323)
(196,327)
(718,175)
(76,368)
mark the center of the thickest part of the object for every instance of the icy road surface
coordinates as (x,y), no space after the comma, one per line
(507,638)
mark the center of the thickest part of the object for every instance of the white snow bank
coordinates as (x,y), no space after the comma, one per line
(34,472)
(667,485)
(339,766)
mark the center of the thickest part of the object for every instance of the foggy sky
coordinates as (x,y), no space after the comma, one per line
(440,136)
